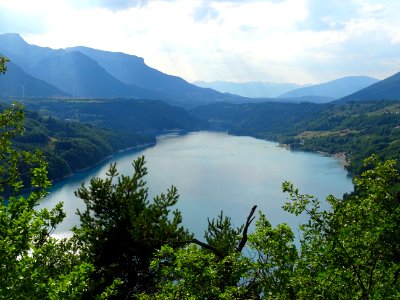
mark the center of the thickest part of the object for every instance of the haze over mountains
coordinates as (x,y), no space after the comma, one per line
(332,90)
(387,89)
(254,89)
(90,73)
(289,92)
(85,72)
(19,83)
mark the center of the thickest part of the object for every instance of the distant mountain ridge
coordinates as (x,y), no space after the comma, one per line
(17,83)
(334,89)
(89,73)
(86,72)
(131,69)
(70,71)
(386,89)
(252,89)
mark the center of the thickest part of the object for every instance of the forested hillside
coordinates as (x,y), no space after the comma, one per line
(130,246)
(76,134)
(128,115)
(70,146)
(356,129)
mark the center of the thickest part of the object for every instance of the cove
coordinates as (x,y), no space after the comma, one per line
(216,172)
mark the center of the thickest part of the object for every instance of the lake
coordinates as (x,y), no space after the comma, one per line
(216,171)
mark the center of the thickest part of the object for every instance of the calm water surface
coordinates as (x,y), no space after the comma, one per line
(217,171)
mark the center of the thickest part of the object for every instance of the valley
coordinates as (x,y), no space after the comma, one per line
(115,136)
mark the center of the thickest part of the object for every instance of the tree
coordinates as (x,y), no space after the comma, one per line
(3,64)
(351,251)
(121,230)
(356,245)
(33,264)
(216,269)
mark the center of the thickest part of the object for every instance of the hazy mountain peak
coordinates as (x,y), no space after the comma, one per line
(87,72)
(12,37)
(333,89)
(253,89)
(17,83)
(98,54)
(388,89)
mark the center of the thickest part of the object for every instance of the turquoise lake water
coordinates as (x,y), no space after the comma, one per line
(216,171)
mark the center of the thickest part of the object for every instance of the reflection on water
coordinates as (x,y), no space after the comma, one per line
(217,171)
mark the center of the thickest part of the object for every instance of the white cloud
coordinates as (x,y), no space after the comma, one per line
(282,40)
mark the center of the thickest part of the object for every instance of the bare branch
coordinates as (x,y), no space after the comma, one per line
(250,219)
(207,246)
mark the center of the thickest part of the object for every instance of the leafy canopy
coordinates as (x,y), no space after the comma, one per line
(121,229)
(33,264)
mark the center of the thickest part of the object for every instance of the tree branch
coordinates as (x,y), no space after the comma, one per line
(241,245)
(250,219)
(207,246)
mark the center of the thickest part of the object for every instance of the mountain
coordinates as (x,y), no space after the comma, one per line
(334,89)
(79,75)
(253,89)
(388,89)
(123,115)
(17,83)
(70,71)
(91,73)
(131,69)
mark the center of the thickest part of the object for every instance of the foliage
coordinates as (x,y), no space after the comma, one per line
(121,115)
(3,64)
(355,246)
(192,273)
(275,258)
(121,229)
(348,252)
(357,129)
(71,146)
(213,270)
(33,264)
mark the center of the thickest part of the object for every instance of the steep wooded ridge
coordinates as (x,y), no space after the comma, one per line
(86,72)
(387,89)
(69,147)
(75,135)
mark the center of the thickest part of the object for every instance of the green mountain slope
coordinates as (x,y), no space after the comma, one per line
(355,130)
(387,89)
(70,146)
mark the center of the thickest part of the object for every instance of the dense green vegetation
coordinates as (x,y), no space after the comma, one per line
(126,115)
(121,230)
(349,252)
(131,247)
(357,129)
(33,264)
(71,146)
(77,134)
(268,120)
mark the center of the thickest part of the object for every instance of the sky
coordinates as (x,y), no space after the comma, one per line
(296,41)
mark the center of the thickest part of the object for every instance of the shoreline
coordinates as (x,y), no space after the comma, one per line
(108,157)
